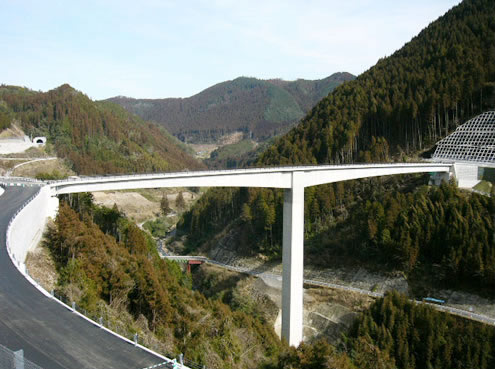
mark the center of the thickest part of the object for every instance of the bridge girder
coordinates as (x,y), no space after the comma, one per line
(293,179)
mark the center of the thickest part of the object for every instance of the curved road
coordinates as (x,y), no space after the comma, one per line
(10,171)
(51,335)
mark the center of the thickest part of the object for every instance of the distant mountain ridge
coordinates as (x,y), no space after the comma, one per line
(262,108)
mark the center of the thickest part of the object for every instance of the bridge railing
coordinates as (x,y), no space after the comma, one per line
(15,259)
(20,180)
(226,171)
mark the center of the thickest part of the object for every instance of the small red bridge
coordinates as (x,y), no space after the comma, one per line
(190,260)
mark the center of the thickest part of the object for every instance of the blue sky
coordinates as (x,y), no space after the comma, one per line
(157,49)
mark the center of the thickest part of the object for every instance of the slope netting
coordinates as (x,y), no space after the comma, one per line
(472,141)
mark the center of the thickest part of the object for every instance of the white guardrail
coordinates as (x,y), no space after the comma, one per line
(15,359)
(111,177)
(19,238)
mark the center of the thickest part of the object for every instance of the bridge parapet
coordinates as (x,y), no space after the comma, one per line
(276,177)
(190,260)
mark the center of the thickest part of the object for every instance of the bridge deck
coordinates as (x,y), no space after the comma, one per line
(278,177)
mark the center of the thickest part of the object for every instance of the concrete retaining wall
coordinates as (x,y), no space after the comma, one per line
(24,233)
(27,226)
(466,175)
(15,146)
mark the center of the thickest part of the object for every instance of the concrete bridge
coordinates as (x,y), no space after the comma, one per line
(292,179)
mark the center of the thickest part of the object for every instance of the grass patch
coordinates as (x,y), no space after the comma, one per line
(46,170)
(283,107)
(233,151)
(160,226)
(483,186)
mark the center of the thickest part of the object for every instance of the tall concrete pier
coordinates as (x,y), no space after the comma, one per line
(293,262)
(292,179)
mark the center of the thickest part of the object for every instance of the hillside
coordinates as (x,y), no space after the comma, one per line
(110,267)
(95,137)
(417,336)
(385,113)
(398,334)
(436,81)
(260,108)
(145,294)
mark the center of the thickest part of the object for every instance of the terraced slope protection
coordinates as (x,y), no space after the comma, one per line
(51,335)
(259,107)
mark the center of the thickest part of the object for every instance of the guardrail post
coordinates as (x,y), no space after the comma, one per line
(100,321)
(19,359)
(73,306)
(181,358)
(135,339)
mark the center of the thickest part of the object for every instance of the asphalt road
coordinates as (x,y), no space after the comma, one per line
(52,336)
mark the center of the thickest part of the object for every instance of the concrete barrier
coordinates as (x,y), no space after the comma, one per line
(24,233)
(12,146)
(26,228)
(466,174)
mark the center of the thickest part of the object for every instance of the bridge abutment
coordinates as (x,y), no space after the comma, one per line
(293,263)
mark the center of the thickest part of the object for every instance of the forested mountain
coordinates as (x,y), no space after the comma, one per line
(395,333)
(262,108)
(416,336)
(436,229)
(436,81)
(5,118)
(399,106)
(95,137)
(111,268)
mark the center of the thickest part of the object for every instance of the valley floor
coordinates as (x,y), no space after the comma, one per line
(350,280)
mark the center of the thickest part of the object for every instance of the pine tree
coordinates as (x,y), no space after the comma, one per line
(164,204)
(179,201)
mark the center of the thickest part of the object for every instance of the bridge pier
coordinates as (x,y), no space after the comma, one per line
(293,179)
(293,263)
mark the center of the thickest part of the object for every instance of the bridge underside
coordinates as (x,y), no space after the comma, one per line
(293,179)
(261,177)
